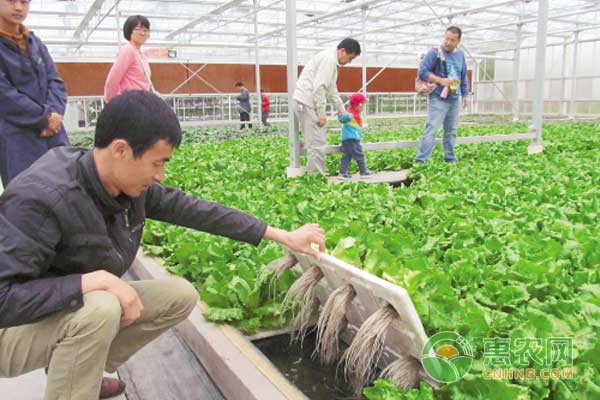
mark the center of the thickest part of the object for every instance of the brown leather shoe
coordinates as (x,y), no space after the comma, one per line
(111,387)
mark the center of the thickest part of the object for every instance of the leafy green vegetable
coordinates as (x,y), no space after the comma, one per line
(501,244)
(384,389)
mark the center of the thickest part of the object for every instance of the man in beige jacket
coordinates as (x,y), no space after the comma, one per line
(315,87)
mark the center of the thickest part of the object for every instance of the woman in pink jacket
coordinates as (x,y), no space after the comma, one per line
(131,70)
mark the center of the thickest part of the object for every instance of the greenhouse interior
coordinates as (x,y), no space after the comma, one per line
(182,216)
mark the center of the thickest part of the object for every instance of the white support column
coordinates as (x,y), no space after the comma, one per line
(516,107)
(364,55)
(119,29)
(563,82)
(257,65)
(540,69)
(572,103)
(294,168)
(475,103)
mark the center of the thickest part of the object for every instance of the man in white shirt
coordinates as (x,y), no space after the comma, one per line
(315,87)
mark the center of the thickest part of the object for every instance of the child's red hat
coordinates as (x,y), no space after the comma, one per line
(357,98)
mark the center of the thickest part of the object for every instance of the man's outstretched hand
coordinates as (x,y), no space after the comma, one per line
(301,239)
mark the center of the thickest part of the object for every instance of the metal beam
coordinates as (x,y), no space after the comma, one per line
(194,74)
(294,168)
(490,17)
(408,144)
(410,39)
(540,71)
(595,39)
(563,81)
(230,4)
(341,11)
(499,26)
(475,99)
(515,84)
(119,31)
(572,109)
(257,64)
(94,16)
(434,18)
(233,45)
(119,37)
(244,18)
(535,19)
(364,56)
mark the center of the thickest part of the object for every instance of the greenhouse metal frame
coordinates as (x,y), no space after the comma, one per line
(391,33)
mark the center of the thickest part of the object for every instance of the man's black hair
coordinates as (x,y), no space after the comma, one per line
(350,45)
(455,29)
(239,84)
(132,22)
(141,119)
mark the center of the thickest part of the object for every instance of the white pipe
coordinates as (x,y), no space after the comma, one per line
(292,76)
(540,71)
(516,67)
(563,82)
(257,64)
(590,40)
(456,13)
(364,55)
(321,17)
(504,25)
(231,45)
(118,25)
(196,21)
(574,75)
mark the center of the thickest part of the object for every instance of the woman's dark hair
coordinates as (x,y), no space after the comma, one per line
(132,22)
(350,45)
(456,30)
(238,84)
(141,119)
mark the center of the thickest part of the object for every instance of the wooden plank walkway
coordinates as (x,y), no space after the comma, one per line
(390,177)
(167,370)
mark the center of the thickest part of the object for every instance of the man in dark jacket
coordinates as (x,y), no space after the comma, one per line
(71,225)
(243,105)
(32,95)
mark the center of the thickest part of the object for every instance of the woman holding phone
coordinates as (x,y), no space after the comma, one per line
(131,70)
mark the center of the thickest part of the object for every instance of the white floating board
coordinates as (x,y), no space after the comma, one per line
(377,177)
(534,149)
(405,337)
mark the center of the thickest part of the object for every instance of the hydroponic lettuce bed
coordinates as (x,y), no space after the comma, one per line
(499,245)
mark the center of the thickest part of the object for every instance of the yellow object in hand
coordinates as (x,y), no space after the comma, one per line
(454,86)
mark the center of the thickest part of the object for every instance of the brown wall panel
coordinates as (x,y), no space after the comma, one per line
(87,79)
(84,79)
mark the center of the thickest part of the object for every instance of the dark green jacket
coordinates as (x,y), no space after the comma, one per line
(57,222)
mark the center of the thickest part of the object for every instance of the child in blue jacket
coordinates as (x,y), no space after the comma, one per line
(32,95)
(352,135)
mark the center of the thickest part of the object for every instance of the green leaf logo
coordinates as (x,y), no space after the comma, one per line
(447,357)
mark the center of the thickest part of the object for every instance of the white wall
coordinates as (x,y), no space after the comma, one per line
(587,85)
